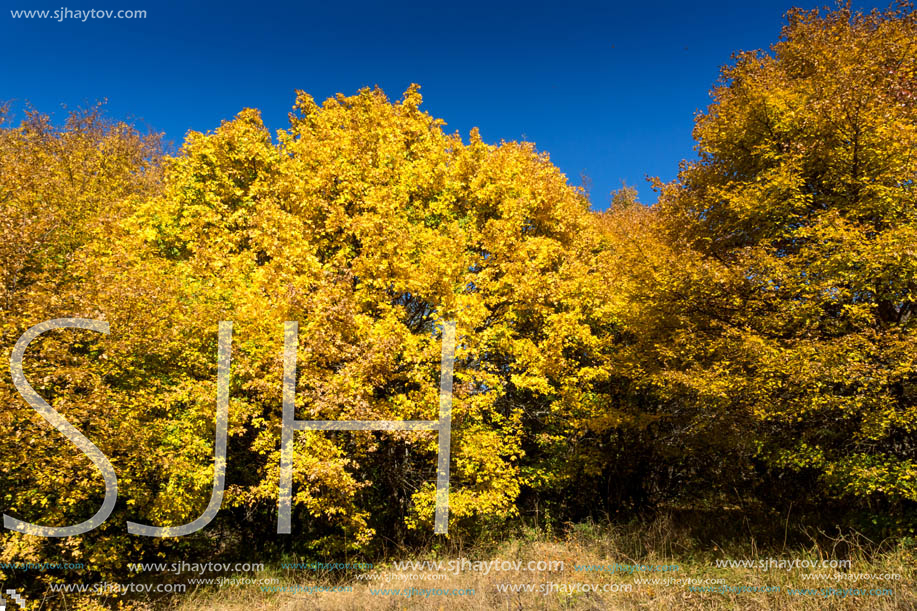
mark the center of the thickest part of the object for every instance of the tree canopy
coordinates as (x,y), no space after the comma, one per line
(749,339)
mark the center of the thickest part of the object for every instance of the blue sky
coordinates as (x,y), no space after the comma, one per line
(608,89)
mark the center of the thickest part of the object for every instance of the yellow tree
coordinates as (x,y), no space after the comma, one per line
(797,228)
(62,189)
(369,225)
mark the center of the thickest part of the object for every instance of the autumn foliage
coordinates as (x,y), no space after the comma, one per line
(750,339)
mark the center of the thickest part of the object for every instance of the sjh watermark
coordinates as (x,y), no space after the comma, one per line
(108,587)
(39,566)
(14,596)
(460,565)
(199,568)
(786,564)
(290,425)
(66,14)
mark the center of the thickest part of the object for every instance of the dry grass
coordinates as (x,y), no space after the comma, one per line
(663,542)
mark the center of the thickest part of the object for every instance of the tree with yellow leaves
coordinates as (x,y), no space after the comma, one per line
(796,283)
(63,190)
(368,225)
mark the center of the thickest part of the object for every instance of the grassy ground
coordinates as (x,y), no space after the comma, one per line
(664,542)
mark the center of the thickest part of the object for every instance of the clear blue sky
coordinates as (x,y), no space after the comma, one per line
(608,89)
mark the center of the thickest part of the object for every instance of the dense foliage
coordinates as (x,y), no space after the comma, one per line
(802,212)
(748,340)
